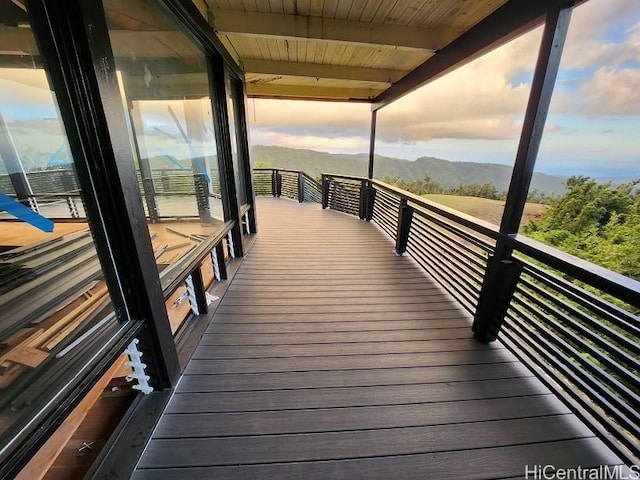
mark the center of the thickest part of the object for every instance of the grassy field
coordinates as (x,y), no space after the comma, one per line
(485,209)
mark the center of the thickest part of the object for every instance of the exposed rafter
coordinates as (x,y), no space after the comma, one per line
(328,29)
(337,72)
(311,93)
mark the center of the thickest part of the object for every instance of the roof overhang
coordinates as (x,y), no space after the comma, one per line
(374,51)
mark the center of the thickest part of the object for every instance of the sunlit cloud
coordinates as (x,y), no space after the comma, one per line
(611,92)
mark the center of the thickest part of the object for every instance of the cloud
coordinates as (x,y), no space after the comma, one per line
(595,34)
(613,92)
(478,101)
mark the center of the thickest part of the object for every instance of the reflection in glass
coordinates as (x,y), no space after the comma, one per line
(55,310)
(164,83)
(238,165)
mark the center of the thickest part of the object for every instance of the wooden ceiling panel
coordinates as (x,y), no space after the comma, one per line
(386,39)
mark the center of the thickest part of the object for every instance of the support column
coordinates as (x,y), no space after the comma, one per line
(503,272)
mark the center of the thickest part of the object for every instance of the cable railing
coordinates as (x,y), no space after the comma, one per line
(283,183)
(573,323)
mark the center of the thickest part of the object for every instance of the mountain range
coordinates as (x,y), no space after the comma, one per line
(444,172)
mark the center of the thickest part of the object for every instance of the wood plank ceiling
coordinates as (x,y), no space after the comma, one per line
(348,50)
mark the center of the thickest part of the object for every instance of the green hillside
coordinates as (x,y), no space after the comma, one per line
(444,172)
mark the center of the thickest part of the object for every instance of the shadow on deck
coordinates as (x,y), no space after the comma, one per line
(331,358)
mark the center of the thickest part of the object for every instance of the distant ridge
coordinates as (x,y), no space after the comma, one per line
(445,172)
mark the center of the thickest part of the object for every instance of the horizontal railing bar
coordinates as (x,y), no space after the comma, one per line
(624,288)
(561,348)
(608,430)
(611,312)
(461,263)
(547,317)
(604,329)
(469,254)
(479,242)
(451,268)
(601,397)
(453,288)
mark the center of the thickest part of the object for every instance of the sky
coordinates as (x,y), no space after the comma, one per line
(475,113)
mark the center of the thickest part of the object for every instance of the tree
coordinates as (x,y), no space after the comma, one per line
(598,222)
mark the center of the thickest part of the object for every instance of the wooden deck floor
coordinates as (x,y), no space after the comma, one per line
(331,358)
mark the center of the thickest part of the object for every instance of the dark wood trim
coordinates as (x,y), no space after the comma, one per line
(509,21)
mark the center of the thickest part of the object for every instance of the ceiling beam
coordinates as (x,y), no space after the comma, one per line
(329,29)
(314,70)
(508,22)
(311,93)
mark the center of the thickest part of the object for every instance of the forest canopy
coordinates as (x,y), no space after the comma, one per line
(598,222)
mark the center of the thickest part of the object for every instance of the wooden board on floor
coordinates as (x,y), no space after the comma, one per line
(331,358)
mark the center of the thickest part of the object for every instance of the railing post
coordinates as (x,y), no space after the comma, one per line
(498,286)
(367,201)
(219,265)
(405,217)
(278,184)
(364,193)
(503,273)
(325,191)
(274,182)
(300,187)
(196,292)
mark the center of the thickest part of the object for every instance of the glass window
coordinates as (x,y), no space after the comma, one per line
(55,309)
(592,140)
(233,106)
(164,83)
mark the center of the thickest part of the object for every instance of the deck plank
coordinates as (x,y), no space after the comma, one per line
(330,358)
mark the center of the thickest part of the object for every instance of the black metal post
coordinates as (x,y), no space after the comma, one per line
(199,291)
(223,144)
(14,166)
(363,200)
(242,137)
(300,187)
(84,79)
(274,182)
(405,217)
(222,266)
(325,192)
(372,142)
(502,273)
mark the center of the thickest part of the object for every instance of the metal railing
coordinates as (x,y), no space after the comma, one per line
(293,184)
(575,324)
